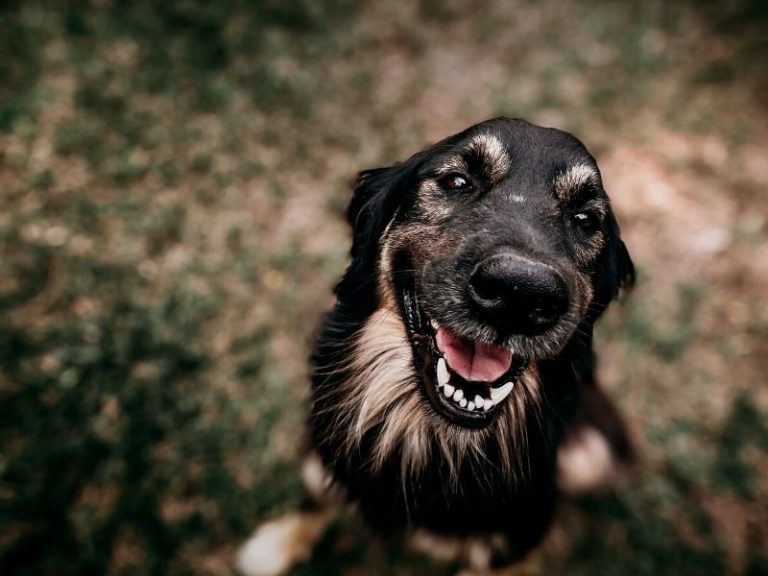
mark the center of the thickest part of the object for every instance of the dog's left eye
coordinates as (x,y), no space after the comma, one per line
(455,182)
(586,221)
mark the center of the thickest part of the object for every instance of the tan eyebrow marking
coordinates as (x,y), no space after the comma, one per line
(576,177)
(495,159)
(455,164)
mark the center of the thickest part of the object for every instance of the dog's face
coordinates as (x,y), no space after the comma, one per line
(478,268)
(493,247)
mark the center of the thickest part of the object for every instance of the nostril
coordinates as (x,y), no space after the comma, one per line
(542,310)
(547,310)
(489,288)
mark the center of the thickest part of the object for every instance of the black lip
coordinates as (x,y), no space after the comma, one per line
(425,355)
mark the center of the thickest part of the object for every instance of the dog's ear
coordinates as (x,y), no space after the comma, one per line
(615,273)
(376,197)
(624,268)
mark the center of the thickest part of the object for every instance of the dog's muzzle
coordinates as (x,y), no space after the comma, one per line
(466,381)
(516,295)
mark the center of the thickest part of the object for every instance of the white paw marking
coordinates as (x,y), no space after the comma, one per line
(584,462)
(278,545)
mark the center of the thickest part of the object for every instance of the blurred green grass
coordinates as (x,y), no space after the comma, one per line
(172,177)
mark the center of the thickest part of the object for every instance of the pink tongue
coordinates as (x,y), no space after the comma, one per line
(473,361)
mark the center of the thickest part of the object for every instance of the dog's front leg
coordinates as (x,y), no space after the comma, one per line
(488,556)
(279,544)
(598,449)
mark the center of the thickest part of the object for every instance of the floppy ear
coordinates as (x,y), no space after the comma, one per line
(625,268)
(615,272)
(376,197)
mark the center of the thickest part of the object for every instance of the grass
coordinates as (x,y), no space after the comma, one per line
(173,176)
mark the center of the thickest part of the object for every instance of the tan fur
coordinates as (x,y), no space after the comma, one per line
(584,294)
(422,241)
(277,545)
(318,482)
(383,390)
(431,199)
(585,253)
(567,186)
(496,159)
(442,548)
(451,165)
(496,162)
(387,297)
(585,462)
(575,177)
(474,551)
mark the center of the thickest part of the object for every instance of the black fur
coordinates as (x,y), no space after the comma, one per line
(486,499)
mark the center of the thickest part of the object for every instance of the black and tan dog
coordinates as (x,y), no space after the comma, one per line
(453,387)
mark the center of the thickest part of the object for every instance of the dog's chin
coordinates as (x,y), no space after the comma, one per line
(466,382)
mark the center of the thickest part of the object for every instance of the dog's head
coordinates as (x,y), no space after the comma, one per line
(474,263)
(494,247)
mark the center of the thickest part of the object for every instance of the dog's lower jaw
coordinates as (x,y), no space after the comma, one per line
(405,464)
(378,401)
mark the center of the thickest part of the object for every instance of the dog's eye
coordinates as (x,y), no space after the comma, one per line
(454,182)
(586,221)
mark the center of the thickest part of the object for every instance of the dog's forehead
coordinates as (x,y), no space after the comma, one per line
(521,138)
(515,149)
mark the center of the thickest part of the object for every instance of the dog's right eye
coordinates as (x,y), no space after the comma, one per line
(454,182)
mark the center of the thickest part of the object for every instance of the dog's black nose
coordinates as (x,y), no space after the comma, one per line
(518,295)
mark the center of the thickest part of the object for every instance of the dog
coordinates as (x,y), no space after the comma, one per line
(453,385)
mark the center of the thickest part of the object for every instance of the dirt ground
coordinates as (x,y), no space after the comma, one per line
(172,182)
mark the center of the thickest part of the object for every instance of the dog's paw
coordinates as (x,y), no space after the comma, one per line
(277,545)
(585,462)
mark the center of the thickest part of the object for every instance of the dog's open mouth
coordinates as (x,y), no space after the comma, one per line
(466,381)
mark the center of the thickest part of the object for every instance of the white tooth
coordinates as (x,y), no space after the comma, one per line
(471,406)
(498,394)
(448,390)
(463,402)
(478,400)
(435,325)
(487,404)
(442,373)
(458,395)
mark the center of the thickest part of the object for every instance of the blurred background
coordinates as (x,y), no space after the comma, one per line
(172,181)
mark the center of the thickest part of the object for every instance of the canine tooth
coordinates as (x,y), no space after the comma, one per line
(448,390)
(443,377)
(434,324)
(479,400)
(498,394)
(458,395)
(470,406)
(463,402)
(487,404)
